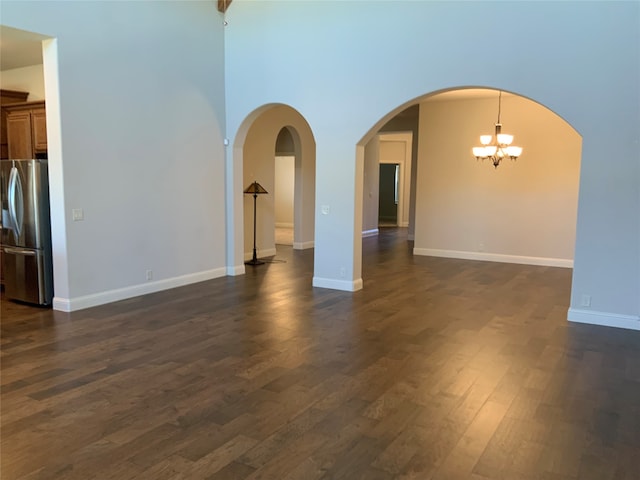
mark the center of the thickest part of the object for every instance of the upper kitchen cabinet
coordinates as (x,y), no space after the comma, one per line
(26,129)
(39,129)
(8,97)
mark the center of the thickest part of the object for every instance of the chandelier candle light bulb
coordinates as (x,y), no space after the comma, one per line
(498,146)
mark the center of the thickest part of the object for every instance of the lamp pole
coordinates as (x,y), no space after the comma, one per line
(254,260)
(256,189)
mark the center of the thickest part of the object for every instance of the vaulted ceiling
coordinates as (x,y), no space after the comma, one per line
(22,49)
(223,5)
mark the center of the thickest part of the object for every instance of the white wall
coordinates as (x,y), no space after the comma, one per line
(523,211)
(26,79)
(141,122)
(580,59)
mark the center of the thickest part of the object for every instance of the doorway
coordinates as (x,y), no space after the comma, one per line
(30,64)
(284,188)
(275,147)
(388,195)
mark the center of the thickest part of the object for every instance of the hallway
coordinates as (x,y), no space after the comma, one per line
(439,368)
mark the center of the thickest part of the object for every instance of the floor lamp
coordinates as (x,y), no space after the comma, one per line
(254,189)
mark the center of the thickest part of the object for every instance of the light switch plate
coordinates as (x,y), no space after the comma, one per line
(78,214)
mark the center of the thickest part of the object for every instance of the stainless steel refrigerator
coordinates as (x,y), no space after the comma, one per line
(25,236)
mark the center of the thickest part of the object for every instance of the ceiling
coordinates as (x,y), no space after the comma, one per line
(19,48)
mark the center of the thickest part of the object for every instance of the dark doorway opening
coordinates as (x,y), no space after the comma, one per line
(388,194)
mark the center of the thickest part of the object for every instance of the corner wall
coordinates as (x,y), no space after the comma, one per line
(371,187)
(140,135)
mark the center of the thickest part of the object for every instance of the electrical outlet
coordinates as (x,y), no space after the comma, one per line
(585,301)
(343,272)
(481,247)
(149,274)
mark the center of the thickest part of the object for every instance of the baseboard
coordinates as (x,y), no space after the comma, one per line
(495,257)
(267,252)
(87,301)
(403,224)
(303,245)
(370,233)
(236,270)
(284,225)
(605,319)
(345,285)
(61,304)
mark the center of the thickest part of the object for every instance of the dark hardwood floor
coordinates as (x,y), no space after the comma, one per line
(438,369)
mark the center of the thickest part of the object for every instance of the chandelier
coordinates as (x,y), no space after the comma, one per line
(497,147)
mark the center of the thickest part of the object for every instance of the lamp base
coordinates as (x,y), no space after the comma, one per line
(254,260)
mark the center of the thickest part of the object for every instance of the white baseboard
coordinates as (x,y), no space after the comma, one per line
(345,285)
(236,270)
(267,252)
(93,300)
(403,224)
(631,322)
(303,245)
(495,257)
(284,225)
(370,233)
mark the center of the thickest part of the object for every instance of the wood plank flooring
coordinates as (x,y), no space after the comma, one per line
(438,369)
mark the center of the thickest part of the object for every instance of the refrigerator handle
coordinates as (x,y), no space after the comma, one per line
(15,251)
(16,201)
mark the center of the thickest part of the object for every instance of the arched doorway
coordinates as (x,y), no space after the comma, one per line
(521,212)
(284,192)
(255,151)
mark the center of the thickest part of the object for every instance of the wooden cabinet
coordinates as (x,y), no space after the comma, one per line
(8,97)
(26,129)
(39,129)
(19,135)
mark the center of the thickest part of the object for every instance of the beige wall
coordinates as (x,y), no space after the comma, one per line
(370,187)
(259,165)
(284,190)
(525,211)
(27,79)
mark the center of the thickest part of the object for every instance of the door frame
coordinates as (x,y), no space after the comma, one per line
(404,177)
